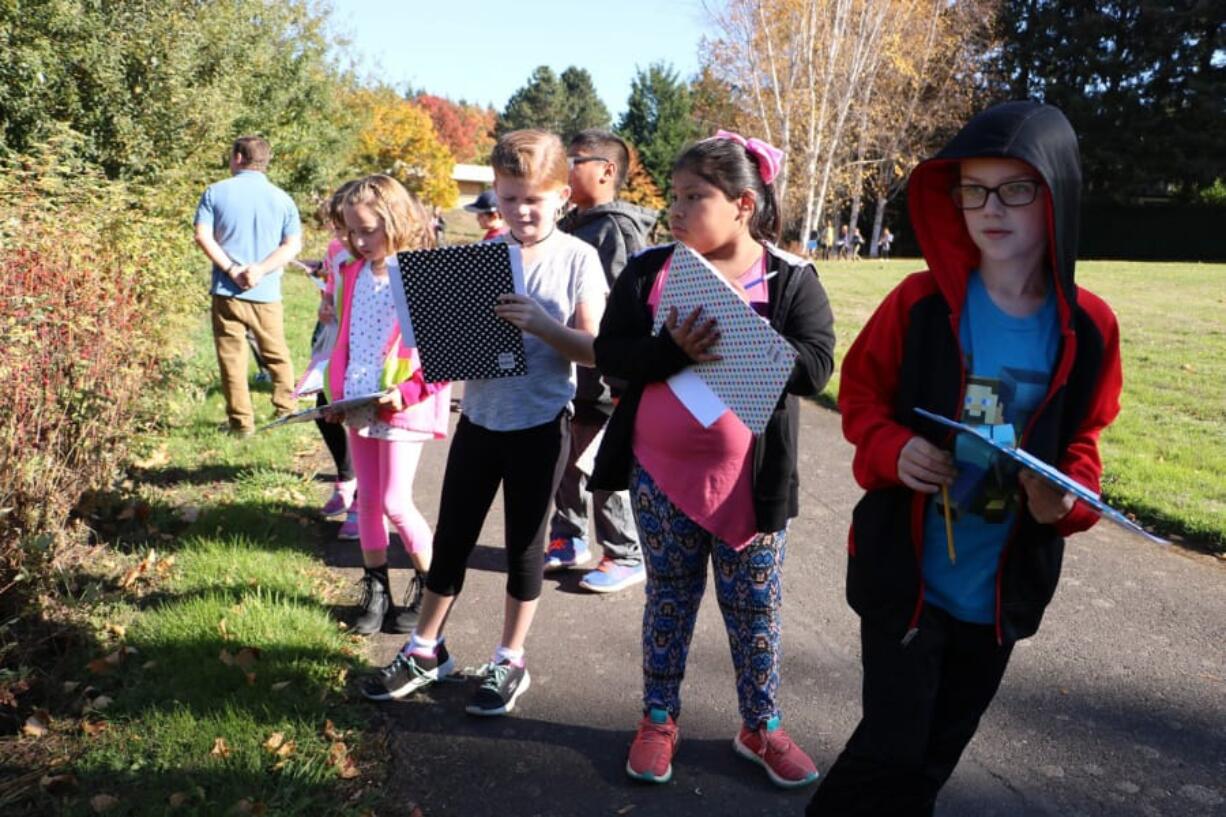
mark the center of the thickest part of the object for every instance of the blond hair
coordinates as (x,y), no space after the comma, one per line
(405,219)
(535,155)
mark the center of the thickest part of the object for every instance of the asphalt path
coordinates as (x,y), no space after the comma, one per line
(1116,707)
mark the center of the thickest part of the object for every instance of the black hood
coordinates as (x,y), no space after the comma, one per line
(1036,134)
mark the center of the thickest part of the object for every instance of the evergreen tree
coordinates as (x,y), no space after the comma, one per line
(541,103)
(564,105)
(659,120)
(1142,83)
(583,108)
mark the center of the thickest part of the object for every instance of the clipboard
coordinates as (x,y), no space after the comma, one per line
(317,412)
(1053,476)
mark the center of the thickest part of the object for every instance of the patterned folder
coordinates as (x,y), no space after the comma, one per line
(757,361)
(446,308)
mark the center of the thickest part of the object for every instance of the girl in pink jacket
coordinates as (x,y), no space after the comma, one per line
(385,437)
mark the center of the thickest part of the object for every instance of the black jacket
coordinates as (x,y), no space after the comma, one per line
(909,354)
(617,230)
(626,349)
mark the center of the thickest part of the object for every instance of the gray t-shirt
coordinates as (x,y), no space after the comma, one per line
(565,275)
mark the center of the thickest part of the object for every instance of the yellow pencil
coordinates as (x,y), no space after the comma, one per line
(949,526)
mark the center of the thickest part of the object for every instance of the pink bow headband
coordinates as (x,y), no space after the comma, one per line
(769,157)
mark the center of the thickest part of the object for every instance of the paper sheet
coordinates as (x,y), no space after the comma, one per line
(697,396)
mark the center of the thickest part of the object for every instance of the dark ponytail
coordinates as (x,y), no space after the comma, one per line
(730,167)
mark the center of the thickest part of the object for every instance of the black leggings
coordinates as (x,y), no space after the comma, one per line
(337,441)
(528,464)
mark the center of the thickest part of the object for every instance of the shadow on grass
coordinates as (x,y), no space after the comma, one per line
(208,792)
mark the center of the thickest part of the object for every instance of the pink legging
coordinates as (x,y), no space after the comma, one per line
(385,471)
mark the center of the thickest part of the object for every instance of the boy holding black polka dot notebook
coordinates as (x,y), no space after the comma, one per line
(512,432)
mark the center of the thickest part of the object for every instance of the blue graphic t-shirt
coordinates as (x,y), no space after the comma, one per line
(1008,362)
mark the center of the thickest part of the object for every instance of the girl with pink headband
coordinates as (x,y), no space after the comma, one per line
(714,493)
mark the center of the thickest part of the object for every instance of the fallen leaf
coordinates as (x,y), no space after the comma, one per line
(221,628)
(220,749)
(274,742)
(348,769)
(37,724)
(93,728)
(178,799)
(58,784)
(101,803)
(250,676)
(101,702)
(246,806)
(279,685)
(70,687)
(416,812)
(117,630)
(100,666)
(286,749)
(337,752)
(189,513)
(331,732)
(246,657)
(626,809)
(226,657)
(148,665)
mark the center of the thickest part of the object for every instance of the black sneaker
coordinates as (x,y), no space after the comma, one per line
(376,601)
(404,618)
(504,683)
(408,673)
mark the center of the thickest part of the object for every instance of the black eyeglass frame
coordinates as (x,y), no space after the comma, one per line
(956,193)
(571,161)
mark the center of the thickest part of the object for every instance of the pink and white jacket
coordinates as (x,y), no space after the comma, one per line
(427,405)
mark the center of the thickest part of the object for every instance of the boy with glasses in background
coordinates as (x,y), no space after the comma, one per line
(598,165)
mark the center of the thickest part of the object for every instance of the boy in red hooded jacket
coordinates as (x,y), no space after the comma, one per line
(997,334)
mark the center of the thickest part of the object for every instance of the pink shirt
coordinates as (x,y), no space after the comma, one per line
(706,472)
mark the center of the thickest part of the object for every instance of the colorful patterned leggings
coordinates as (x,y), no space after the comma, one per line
(750,593)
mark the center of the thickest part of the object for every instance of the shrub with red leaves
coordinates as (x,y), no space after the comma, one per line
(80,326)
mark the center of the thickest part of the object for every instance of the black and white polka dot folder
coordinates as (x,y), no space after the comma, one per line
(446,307)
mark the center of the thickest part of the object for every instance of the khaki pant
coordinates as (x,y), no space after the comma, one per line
(231,320)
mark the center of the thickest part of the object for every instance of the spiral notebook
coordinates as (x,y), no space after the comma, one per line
(446,309)
(756,360)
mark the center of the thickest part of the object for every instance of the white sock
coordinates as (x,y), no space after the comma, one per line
(426,647)
(502,653)
(347,489)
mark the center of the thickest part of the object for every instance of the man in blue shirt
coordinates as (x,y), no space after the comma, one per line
(249,228)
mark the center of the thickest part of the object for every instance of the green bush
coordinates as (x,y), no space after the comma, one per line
(92,279)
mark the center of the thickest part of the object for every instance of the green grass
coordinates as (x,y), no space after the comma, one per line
(1165,456)
(246,573)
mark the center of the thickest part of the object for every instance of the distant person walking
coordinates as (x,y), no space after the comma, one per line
(249,229)
(883,243)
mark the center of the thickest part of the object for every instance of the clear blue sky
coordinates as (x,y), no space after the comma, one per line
(483,51)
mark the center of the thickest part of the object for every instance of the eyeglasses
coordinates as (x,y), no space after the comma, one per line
(1011,194)
(571,161)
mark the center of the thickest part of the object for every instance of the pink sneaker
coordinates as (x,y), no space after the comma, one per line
(651,753)
(769,746)
(341,499)
(349,528)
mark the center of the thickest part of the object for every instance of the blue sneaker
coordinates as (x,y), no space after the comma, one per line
(609,576)
(566,551)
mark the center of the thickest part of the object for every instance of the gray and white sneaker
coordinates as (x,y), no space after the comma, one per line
(408,673)
(504,683)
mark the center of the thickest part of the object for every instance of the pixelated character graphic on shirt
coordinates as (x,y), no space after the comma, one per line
(986,485)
